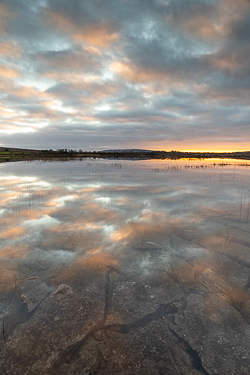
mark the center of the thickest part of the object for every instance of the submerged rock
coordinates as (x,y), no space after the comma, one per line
(64,289)
(33,292)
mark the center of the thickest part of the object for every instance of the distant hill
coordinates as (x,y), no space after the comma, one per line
(127,150)
(15,149)
(17,154)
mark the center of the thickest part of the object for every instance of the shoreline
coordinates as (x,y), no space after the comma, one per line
(17,154)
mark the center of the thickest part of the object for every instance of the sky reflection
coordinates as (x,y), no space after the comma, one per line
(127,238)
(76,211)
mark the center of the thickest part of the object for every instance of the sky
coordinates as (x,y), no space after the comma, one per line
(152,74)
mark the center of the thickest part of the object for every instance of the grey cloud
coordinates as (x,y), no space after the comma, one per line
(71,60)
(109,136)
(24,20)
(125,71)
(137,114)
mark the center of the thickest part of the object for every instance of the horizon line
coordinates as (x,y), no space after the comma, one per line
(128,150)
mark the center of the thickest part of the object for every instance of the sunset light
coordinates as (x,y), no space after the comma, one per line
(159,75)
(125,187)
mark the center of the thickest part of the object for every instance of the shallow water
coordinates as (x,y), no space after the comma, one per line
(152,259)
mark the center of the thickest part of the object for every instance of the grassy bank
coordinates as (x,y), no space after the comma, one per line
(15,154)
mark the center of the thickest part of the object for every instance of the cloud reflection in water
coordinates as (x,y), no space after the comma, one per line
(144,234)
(80,208)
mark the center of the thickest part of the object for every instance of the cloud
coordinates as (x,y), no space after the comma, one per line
(70,60)
(6,71)
(79,22)
(9,49)
(5,15)
(165,71)
(203,20)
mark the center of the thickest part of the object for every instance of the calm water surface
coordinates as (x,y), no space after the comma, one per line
(125,267)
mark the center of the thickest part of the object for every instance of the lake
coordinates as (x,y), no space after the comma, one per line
(125,267)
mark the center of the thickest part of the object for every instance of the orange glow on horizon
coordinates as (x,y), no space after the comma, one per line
(199,145)
(203,150)
(204,147)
